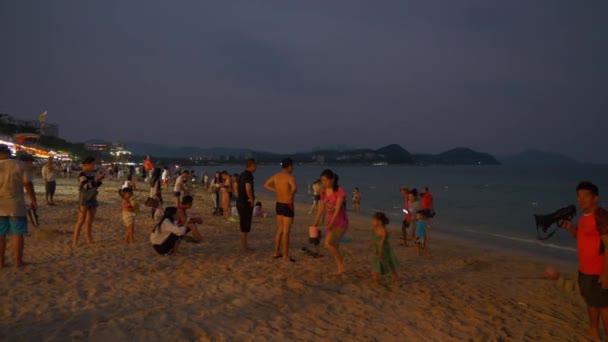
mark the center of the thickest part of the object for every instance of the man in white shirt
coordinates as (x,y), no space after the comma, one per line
(49,174)
(13,221)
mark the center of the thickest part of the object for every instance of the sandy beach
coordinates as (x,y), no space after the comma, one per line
(111,291)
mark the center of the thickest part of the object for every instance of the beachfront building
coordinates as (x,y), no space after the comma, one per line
(117,150)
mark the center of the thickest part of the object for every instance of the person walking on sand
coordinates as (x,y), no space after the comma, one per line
(49,174)
(226,193)
(316,193)
(333,202)
(356,199)
(87,199)
(13,214)
(382,259)
(591,236)
(156,190)
(246,201)
(284,185)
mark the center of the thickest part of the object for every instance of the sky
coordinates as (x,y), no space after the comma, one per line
(284,76)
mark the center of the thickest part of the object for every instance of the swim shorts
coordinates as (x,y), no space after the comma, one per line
(285,209)
(420,241)
(13,225)
(591,290)
(317,197)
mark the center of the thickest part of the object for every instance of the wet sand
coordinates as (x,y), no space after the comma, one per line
(214,292)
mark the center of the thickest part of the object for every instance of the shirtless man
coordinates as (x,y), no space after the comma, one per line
(284,184)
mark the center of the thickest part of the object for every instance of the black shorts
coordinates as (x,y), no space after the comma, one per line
(167,246)
(245,216)
(285,209)
(591,290)
(50,188)
(317,197)
(177,194)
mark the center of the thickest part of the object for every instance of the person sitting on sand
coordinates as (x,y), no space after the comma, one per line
(333,202)
(191,222)
(591,236)
(13,213)
(284,185)
(167,234)
(129,208)
(87,199)
(423,234)
(382,258)
(258,210)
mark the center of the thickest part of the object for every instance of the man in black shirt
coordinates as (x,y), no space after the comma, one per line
(245,201)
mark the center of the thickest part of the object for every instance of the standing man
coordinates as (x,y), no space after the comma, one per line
(13,179)
(181,187)
(245,201)
(592,241)
(316,192)
(284,185)
(165,177)
(49,174)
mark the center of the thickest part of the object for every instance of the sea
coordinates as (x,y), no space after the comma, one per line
(490,206)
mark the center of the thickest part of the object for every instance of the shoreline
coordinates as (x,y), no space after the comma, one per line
(214,292)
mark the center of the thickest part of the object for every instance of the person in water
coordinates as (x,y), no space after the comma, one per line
(284,185)
(382,259)
(333,202)
(591,236)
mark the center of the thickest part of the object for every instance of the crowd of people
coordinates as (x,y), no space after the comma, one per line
(231,195)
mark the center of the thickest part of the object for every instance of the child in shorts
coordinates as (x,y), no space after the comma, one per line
(422,234)
(129,209)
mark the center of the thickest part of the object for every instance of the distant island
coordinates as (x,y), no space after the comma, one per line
(393,154)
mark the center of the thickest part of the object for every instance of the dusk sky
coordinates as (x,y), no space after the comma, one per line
(281,76)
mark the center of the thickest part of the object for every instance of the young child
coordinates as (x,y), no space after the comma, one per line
(383,258)
(129,208)
(422,234)
(258,210)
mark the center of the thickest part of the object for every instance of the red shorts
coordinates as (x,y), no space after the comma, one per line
(165,181)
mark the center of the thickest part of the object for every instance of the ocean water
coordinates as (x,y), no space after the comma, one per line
(491,205)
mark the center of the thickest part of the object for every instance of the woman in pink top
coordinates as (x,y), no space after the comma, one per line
(333,201)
